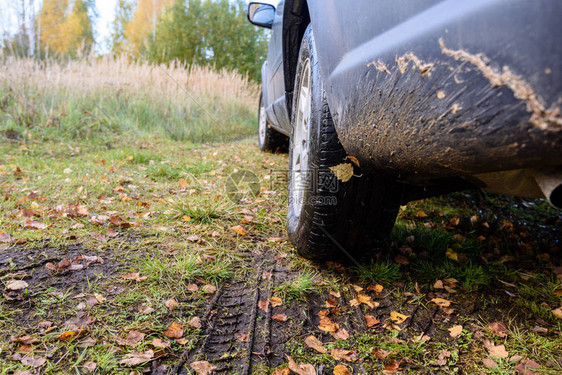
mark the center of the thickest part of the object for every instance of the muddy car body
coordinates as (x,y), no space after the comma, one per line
(431,96)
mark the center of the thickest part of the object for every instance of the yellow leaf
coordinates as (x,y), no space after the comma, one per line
(397,317)
(341,370)
(353,160)
(239,230)
(174,331)
(343,171)
(452,255)
(441,302)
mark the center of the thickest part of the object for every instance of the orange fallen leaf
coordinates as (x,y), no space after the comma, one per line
(370,320)
(68,335)
(495,350)
(365,299)
(134,276)
(330,303)
(263,305)
(327,325)
(281,371)
(275,301)
(279,317)
(376,288)
(174,331)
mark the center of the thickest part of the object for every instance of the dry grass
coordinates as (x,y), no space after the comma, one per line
(122,96)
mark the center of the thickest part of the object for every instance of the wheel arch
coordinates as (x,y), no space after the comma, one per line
(296,19)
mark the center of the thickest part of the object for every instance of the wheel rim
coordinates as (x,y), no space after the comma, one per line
(262,124)
(301,142)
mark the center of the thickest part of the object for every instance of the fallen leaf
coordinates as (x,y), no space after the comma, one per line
(16,285)
(442,358)
(239,230)
(194,238)
(421,214)
(134,276)
(275,301)
(209,289)
(24,339)
(495,350)
(524,367)
(202,367)
(380,353)
(243,337)
(340,334)
(192,287)
(441,302)
(133,339)
(498,329)
(158,343)
(365,299)
(557,312)
(376,288)
(341,370)
(391,367)
(68,335)
(195,323)
(281,371)
(33,361)
(327,325)
(136,358)
(346,355)
(335,294)
(87,342)
(183,341)
(314,343)
(264,305)
(357,288)
(343,171)
(279,317)
(438,284)
(455,331)
(90,367)
(490,363)
(174,331)
(370,320)
(171,304)
(302,368)
(452,254)
(397,317)
(331,303)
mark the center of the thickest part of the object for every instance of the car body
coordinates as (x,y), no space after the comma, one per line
(439,95)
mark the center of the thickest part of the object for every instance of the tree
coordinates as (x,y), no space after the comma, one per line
(207,32)
(123,15)
(142,26)
(64,31)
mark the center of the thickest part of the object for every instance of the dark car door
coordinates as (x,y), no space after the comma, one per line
(274,85)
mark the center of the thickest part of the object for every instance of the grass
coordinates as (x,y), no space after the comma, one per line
(122,141)
(383,272)
(297,289)
(105,99)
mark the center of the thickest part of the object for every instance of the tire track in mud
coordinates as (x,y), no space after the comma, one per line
(237,333)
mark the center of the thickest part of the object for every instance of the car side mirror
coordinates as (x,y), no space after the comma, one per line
(261,14)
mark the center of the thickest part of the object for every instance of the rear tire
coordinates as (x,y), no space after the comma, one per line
(328,218)
(269,139)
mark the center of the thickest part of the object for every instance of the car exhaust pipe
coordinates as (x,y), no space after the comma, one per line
(551,186)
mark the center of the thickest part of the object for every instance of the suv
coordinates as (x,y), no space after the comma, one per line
(383,102)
